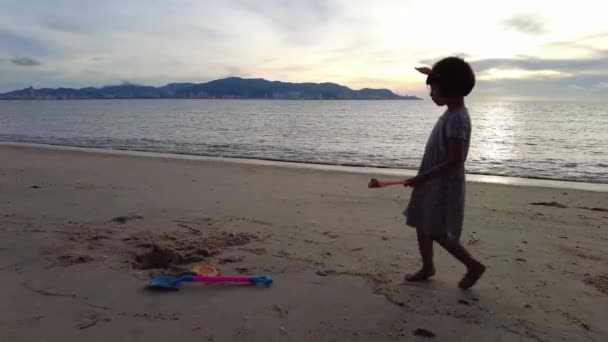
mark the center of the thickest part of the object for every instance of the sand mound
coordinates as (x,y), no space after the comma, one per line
(163,251)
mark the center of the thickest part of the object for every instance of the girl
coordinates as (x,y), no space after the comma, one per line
(436,207)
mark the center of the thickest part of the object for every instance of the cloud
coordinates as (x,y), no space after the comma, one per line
(535,67)
(527,23)
(25,61)
(534,77)
(64,26)
(575,87)
(297,22)
(497,74)
(433,60)
(601,86)
(231,70)
(537,77)
(20,44)
(597,65)
(589,43)
(597,87)
(578,46)
(281,13)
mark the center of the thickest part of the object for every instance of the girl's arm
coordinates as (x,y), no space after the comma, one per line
(456,157)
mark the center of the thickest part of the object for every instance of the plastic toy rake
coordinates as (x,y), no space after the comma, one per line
(173,283)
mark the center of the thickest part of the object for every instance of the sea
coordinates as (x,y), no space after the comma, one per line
(528,139)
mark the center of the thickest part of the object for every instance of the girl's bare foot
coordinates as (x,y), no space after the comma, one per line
(422,275)
(472,276)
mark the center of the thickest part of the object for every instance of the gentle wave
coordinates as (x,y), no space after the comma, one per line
(548,170)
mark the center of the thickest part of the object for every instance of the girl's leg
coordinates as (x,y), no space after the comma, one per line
(475,269)
(425,245)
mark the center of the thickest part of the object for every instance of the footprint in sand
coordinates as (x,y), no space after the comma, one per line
(125,219)
(550,204)
(600,282)
(593,209)
(579,253)
(256,251)
(73,259)
(231,260)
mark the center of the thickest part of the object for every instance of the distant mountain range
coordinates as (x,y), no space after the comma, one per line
(227,88)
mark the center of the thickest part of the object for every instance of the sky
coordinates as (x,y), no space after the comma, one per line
(518,49)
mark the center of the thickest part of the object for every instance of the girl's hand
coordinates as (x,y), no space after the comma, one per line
(373,183)
(409,182)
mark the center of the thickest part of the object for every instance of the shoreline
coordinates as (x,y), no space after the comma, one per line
(380,171)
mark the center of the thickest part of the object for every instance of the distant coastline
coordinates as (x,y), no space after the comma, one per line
(226,88)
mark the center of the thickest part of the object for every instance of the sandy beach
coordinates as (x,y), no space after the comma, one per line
(81,232)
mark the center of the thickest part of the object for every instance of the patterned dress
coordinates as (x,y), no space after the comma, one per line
(436,206)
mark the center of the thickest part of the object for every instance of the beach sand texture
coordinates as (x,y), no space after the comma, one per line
(81,232)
